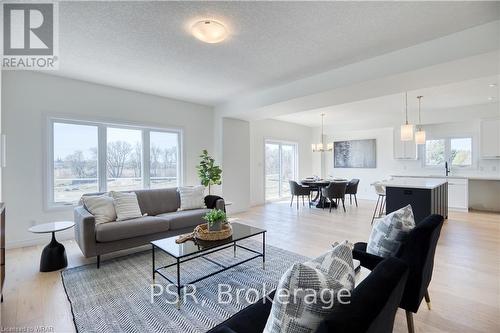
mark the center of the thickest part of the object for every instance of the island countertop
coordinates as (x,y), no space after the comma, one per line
(414,183)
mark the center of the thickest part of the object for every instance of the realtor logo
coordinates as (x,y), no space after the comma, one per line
(29,32)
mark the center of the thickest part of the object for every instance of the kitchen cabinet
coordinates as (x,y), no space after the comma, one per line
(490,138)
(458,191)
(458,194)
(403,150)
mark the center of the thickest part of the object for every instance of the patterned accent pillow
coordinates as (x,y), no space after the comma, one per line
(126,205)
(307,293)
(390,232)
(338,263)
(101,206)
(192,197)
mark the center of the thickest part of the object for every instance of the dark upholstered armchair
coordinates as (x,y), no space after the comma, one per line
(335,192)
(352,190)
(299,191)
(372,309)
(418,253)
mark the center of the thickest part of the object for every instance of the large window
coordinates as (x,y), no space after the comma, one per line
(280,168)
(164,165)
(456,151)
(123,159)
(74,161)
(88,157)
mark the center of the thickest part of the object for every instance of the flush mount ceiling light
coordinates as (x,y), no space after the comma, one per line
(209,31)
(492,85)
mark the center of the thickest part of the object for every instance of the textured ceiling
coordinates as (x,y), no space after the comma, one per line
(374,110)
(146,46)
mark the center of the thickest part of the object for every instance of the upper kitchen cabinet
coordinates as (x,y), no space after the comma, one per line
(490,138)
(403,150)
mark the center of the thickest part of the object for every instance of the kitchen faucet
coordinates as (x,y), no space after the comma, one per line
(446,169)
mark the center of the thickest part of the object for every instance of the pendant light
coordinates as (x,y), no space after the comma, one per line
(320,147)
(406,128)
(420,133)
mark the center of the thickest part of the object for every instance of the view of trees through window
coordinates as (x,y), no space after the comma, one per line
(123,159)
(163,155)
(456,151)
(434,152)
(461,151)
(280,168)
(75,163)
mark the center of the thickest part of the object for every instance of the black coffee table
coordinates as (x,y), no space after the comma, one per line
(191,250)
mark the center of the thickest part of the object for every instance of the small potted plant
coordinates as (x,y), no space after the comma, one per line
(215,219)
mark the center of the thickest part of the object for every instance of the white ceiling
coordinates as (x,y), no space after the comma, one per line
(146,46)
(459,94)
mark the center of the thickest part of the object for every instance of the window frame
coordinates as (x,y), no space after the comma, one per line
(447,152)
(48,184)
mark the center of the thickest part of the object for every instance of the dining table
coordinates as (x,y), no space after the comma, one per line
(318,185)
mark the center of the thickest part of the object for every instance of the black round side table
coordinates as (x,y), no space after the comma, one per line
(54,254)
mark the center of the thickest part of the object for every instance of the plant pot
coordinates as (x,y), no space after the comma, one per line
(215,226)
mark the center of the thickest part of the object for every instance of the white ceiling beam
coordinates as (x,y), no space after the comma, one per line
(460,56)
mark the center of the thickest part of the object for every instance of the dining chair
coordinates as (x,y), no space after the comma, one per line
(299,191)
(335,191)
(379,207)
(352,189)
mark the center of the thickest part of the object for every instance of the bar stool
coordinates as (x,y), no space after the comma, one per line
(380,206)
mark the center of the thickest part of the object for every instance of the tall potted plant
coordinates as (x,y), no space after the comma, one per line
(209,173)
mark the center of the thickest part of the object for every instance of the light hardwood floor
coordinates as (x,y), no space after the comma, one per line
(465,289)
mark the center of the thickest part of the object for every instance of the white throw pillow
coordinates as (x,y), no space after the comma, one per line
(390,231)
(192,197)
(126,205)
(323,277)
(101,206)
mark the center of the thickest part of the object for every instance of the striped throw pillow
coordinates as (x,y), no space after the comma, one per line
(126,205)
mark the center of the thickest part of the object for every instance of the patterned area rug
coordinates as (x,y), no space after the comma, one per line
(117,297)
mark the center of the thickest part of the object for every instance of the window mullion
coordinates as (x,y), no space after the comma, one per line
(146,160)
(102,158)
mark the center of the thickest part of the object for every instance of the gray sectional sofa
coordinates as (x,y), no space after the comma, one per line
(162,220)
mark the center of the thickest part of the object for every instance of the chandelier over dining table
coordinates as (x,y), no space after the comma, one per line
(321,147)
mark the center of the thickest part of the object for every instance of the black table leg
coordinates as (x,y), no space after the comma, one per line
(178,284)
(153,261)
(264,250)
(53,256)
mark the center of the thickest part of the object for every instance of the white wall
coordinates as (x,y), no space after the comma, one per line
(236,163)
(262,130)
(387,165)
(27,96)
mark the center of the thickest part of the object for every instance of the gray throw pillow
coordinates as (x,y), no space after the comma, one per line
(390,231)
(307,293)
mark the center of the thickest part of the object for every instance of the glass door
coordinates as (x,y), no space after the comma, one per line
(280,168)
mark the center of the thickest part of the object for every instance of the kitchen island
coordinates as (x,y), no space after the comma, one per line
(426,196)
